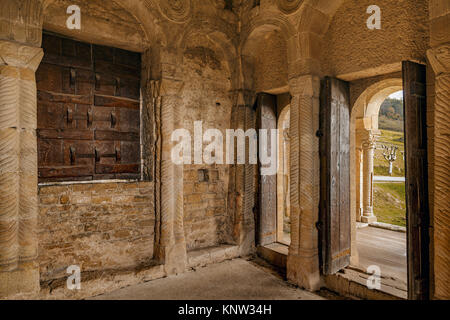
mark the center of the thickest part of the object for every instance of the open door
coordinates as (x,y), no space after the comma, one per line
(334,224)
(267,222)
(417,207)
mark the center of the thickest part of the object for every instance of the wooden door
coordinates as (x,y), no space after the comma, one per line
(417,207)
(267,222)
(334,224)
(88,111)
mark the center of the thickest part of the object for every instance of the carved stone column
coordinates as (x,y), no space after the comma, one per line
(19,272)
(303,258)
(171,245)
(368,147)
(358,167)
(242,176)
(20,55)
(439,58)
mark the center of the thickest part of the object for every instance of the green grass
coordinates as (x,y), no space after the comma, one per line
(390,124)
(389,202)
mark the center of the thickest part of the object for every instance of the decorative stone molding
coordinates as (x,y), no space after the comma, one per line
(18,154)
(21,21)
(303,258)
(20,56)
(177,11)
(289,6)
(440,59)
(241,187)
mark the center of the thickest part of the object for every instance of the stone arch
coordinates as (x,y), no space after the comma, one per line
(221,35)
(143,12)
(368,104)
(363,128)
(267,22)
(252,35)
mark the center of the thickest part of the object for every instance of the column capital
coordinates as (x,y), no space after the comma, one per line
(369,138)
(21,21)
(307,85)
(19,55)
(439,58)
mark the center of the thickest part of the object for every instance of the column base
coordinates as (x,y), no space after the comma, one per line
(368,219)
(20,283)
(304,271)
(174,258)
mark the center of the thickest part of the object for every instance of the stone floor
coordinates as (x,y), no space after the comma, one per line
(384,248)
(230,280)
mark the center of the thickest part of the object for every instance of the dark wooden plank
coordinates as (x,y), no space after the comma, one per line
(121,71)
(65,134)
(334,223)
(129,120)
(50,152)
(107,101)
(64,61)
(417,205)
(46,96)
(115,135)
(130,152)
(65,172)
(116,168)
(52,115)
(267,225)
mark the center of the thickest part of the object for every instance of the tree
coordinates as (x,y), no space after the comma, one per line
(390,154)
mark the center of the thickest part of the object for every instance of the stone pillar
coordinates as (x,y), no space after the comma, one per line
(242,177)
(303,258)
(20,55)
(171,245)
(19,272)
(439,156)
(368,147)
(358,168)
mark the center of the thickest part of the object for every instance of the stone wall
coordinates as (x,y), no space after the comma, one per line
(96,226)
(205,210)
(206,99)
(352,47)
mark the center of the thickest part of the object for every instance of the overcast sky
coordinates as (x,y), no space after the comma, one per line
(397,95)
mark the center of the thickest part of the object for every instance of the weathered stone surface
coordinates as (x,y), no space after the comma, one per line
(95,226)
(202,61)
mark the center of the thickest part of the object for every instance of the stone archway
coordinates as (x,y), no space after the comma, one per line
(363,135)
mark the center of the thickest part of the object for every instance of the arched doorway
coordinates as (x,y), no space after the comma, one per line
(378,195)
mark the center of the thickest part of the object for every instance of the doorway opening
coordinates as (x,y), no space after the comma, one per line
(274,228)
(347,150)
(380,190)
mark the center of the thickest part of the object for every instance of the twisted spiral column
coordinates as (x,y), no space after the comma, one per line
(19,272)
(303,258)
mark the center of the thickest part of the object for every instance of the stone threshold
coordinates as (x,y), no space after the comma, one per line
(381,225)
(205,256)
(388,226)
(274,253)
(65,183)
(98,282)
(352,282)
